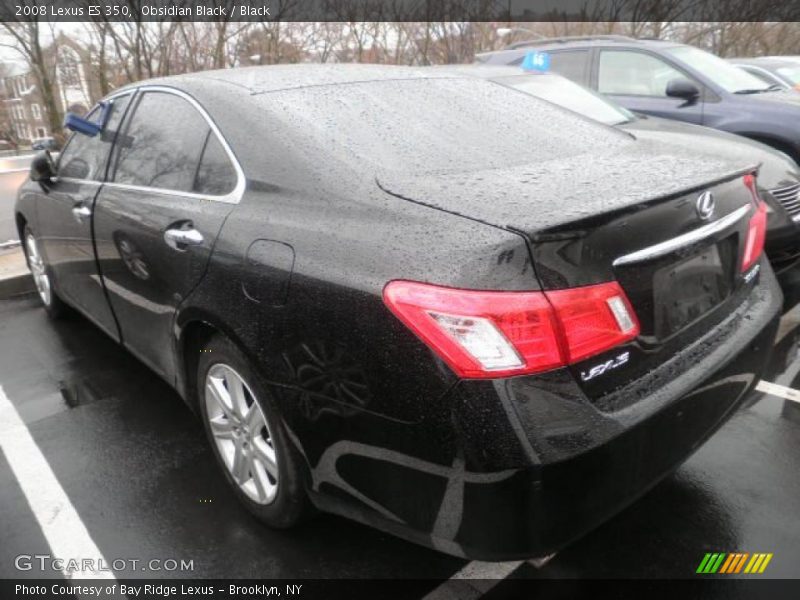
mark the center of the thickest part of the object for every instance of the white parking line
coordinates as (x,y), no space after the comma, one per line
(62,527)
(473,580)
(779,390)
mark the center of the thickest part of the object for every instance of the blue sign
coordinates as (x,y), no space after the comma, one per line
(536,61)
(78,124)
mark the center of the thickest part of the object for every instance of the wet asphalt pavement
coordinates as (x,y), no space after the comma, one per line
(133,461)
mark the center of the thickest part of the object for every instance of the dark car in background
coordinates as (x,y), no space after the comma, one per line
(674,81)
(772,70)
(483,330)
(44,143)
(778,175)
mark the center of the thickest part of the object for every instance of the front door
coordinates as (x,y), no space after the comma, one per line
(638,81)
(65,218)
(171,185)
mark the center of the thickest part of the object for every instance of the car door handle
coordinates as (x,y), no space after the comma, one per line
(180,238)
(81,212)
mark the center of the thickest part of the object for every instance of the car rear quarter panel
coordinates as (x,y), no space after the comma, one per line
(306,306)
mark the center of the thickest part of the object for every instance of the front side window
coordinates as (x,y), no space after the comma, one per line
(634,74)
(85,157)
(162,144)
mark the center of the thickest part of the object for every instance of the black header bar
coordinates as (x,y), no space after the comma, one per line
(399,10)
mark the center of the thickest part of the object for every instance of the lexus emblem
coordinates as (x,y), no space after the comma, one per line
(705,205)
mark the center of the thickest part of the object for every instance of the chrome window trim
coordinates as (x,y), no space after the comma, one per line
(686,239)
(81,181)
(232,197)
(73,134)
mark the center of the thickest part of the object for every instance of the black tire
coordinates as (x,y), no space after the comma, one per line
(290,504)
(55,306)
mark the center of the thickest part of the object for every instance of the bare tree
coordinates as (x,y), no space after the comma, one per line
(28,42)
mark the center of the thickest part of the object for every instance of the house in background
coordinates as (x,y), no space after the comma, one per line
(24,112)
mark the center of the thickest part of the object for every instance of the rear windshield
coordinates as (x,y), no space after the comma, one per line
(570,95)
(436,125)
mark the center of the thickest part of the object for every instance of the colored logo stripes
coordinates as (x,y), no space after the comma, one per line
(734,562)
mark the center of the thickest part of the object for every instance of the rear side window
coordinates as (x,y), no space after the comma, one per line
(571,65)
(634,74)
(216,174)
(85,157)
(162,144)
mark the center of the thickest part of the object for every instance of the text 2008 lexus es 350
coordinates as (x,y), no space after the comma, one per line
(423,301)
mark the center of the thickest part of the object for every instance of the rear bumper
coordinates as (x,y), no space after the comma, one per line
(520,467)
(588,465)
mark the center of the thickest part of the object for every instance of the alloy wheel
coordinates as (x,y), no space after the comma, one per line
(38,269)
(241,433)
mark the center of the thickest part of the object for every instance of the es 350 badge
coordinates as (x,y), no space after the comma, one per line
(604,367)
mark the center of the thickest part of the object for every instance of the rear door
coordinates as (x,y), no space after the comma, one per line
(65,217)
(638,81)
(173,181)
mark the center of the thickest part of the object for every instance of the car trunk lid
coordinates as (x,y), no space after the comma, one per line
(681,272)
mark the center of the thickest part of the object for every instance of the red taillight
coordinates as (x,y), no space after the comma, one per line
(756,229)
(756,233)
(483,334)
(593,319)
(750,183)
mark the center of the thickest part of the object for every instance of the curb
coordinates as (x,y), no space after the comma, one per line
(15,279)
(16,286)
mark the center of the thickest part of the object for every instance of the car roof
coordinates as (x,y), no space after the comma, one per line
(491,71)
(596,40)
(272,78)
(552,44)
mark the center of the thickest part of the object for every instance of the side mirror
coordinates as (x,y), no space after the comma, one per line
(43,168)
(682,88)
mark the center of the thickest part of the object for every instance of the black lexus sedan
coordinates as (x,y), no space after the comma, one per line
(429,303)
